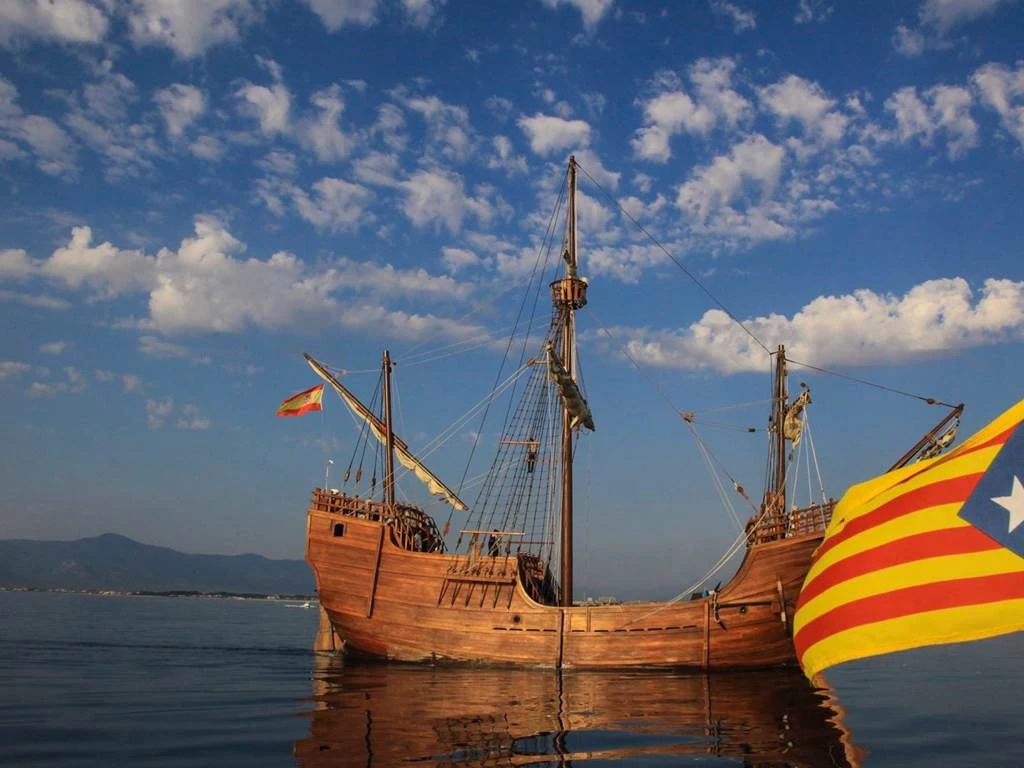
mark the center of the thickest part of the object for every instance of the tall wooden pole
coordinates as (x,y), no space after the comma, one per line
(389,433)
(568,331)
(780,435)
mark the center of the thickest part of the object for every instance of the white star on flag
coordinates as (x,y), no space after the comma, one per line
(1014,503)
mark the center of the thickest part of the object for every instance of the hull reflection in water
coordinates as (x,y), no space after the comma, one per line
(384,715)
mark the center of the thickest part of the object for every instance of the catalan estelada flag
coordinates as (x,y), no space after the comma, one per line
(929,553)
(304,402)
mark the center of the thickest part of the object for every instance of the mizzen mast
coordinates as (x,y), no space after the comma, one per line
(389,434)
(568,295)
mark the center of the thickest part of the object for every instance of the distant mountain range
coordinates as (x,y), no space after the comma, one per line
(118,563)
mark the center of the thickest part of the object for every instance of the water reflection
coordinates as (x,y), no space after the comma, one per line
(383,715)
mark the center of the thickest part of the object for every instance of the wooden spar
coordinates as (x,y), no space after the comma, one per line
(567,361)
(780,433)
(389,432)
(928,438)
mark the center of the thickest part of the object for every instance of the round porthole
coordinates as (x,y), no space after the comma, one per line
(743,609)
(516,618)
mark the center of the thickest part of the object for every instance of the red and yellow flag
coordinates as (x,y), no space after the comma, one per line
(304,402)
(930,553)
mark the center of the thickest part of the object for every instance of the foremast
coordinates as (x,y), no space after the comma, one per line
(568,295)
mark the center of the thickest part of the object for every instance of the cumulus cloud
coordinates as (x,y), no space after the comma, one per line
(421,13)
(11,368)
(549,134)
(42,138)
(335,205)
(439,197)
(271,106)
(672,110)
(62,21)
(1001,89)
(591,11)
(207,285)
(16,264)
(942,109)
(813,10)
(336,14)
(805,102)
(179,106)
(936,19)
(53,347)
(322,133)
(448,127)
(157,412)
(74,383)
(191,419)
(743,20)
(190,27)
(935,317)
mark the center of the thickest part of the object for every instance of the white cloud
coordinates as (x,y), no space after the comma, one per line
(207,286)
(1002,89)
(943,15)
(861,328)
(131,383)
(337,13)
(190,27)
(74,383)
(207,148)
(157,412)
(323,133)
(813,10)
(11,368)
(672,110)
(944,108)
(549,134)
(52,148)
(908,42)
(179,106)
(109,270)
(64,21)
(15,264)
(191,419)
(270,106)
(456,259)
(504,158)
(591,163)
(448,125)
(54,347)
(335,206)
(716,186)
(805,102)
(592,11)
(439,197)
(37,301)
(151,346)
(742,20)
(421,13)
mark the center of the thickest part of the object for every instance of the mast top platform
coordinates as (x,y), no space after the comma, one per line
(569,292)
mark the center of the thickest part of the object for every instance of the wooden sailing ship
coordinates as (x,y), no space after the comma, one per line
(391,589)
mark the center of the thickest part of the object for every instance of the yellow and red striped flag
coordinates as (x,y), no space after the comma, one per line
(304,402)
(930,553)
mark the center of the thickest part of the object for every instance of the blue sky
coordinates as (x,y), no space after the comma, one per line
(197,192)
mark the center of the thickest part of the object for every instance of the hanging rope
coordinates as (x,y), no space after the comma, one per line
(929,400)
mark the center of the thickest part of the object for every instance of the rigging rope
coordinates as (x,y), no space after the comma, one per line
(929,400)
(688,273)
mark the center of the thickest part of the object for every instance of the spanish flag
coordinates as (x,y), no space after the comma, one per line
(304,402)
(929,553)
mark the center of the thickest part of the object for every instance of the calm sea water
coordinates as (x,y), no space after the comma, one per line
(90,680)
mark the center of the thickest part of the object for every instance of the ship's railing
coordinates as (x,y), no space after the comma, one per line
(797,522)
(413,529)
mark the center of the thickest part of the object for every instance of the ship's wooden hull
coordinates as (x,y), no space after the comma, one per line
(391,603)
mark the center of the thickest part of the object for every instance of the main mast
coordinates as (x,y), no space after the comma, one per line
(568,295)
(389,433)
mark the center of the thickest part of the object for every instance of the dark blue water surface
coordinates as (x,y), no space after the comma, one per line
(105,680)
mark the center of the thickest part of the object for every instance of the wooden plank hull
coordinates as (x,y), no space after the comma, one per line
(391,603)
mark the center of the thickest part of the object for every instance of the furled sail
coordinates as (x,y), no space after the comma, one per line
(405,457)
(579,411)
(793,423)
(940,444)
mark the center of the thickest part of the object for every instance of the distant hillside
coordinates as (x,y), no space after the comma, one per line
(119,563)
